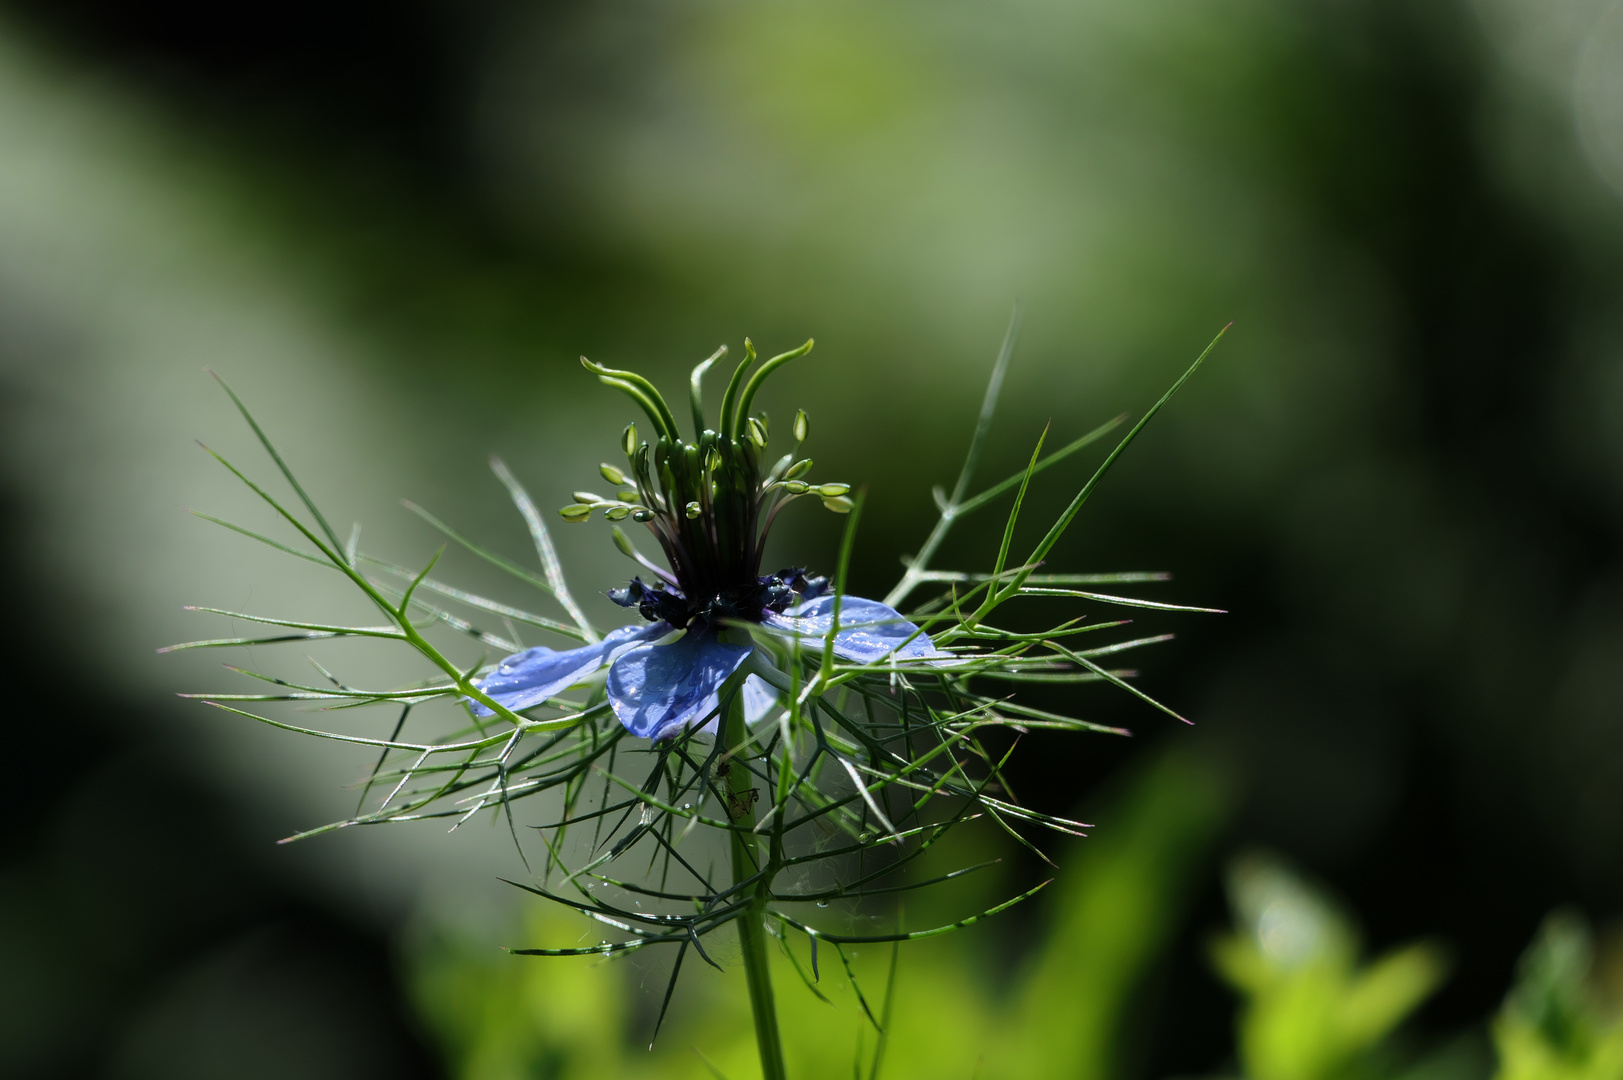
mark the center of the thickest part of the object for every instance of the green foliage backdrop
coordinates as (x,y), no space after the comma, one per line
(395,227)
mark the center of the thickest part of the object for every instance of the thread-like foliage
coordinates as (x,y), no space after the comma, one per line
(859,771)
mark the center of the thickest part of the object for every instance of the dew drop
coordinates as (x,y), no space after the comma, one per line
(822,903)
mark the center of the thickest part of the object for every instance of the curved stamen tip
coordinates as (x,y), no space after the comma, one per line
(640,390)
(755,381)
(696,388)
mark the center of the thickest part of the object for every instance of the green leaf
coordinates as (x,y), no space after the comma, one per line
(277,544)
(287,473)
(489,556)
(550,564)
(338,631)
(1046,544)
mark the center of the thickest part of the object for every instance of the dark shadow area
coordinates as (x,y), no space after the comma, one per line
(143,935)
(368,77)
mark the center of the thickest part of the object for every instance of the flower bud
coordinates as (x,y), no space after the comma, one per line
(618,512)
(782,466)
(839,504)
(642,515)
(796,487)
(799,468)
(576,512)
(757,432)
(712,460)
(611,474)
(800,426)
(692,510)
(628,440)
(623,542)
(833,491)
(629,496)
(587,497)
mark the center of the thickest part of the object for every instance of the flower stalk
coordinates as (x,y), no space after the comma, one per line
(748,865)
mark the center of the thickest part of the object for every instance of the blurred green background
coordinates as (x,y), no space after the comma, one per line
(394,227)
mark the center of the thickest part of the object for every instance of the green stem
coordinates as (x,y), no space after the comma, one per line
(751,921)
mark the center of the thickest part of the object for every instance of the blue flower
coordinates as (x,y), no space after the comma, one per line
(660,689)
(709,503)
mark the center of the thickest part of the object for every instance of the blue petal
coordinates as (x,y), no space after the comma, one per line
(870,632)
(530,677)
(657,690)
(760,701)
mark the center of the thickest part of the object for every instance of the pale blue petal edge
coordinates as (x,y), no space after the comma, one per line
(657,690)
(530,677)
(760,701)
(870,632)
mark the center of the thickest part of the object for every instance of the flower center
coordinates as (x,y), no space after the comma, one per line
(707,502)
(773,592)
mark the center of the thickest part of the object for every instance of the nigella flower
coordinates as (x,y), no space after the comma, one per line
(709,506)
(887,750)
